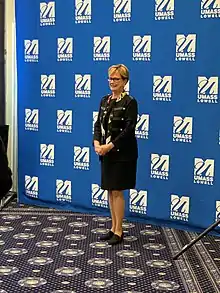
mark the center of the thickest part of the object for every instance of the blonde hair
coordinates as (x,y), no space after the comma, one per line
(121,68)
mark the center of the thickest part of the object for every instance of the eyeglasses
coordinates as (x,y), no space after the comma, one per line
(114,79)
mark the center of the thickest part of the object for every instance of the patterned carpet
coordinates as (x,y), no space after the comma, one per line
(44,250)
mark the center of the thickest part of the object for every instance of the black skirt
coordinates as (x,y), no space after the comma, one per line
(118,175)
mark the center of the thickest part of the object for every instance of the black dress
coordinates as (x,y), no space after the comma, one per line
(118,175)
(119,166)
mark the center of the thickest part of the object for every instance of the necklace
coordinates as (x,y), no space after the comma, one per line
(119,98)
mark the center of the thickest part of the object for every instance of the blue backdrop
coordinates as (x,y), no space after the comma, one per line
(64,49)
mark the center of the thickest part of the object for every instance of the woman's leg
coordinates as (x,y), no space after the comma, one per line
(109,235)
(111,205)
(119,207)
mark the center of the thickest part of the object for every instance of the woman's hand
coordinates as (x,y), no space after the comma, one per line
(101,150)
(97,147)
(98,150)
(105,148)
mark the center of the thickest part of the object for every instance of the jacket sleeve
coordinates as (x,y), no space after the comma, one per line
(97,127)
(130,123)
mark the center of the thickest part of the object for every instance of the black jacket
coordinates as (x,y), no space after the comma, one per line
(121,127)
(5,171)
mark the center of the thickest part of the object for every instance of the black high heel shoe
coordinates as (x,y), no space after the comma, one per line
(107,236)
(116,239)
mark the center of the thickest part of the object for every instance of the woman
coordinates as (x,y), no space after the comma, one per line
(115,142)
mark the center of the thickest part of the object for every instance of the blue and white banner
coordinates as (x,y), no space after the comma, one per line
(171,47)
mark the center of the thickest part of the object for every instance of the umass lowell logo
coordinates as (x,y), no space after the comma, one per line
(64,121)
(63,190)
(99,196)
(81,158)
(48,85)
(204,171)
(47,155)
(138,201)
(160,166)
(210,9)
(64,49)
(142,48)
(82,85)
(31,50)
(208,89)
(101,49)
(142,127)
(179,208)
(186,47)
(94,119)
(217,210)
(31,119)
(122,10)
(31,186)
(182,129)
(164,9)
(83,11)
(47,13)
(162,88)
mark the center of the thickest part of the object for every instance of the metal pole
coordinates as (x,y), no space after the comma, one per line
(4,201)
(186,247)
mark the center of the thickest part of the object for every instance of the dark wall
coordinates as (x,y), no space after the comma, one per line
(2,75)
